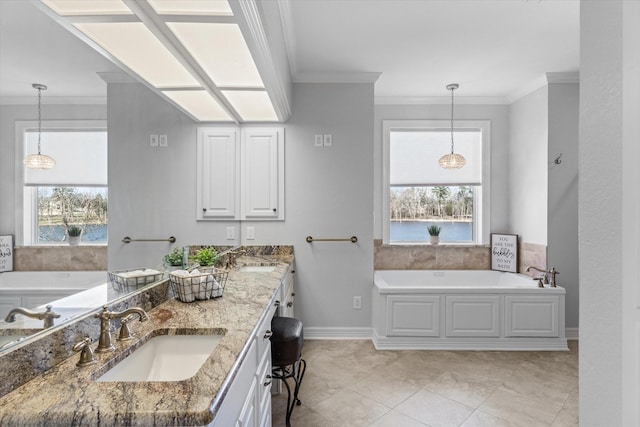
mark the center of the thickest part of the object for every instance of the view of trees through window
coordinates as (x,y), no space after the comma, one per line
(414,209)
(61,207)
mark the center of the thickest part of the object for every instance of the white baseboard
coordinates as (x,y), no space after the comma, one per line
(572,333)
(317,333)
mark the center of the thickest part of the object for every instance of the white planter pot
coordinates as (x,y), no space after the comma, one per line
(74,240)
(434,240)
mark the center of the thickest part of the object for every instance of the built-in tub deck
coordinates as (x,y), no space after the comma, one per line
(466,310)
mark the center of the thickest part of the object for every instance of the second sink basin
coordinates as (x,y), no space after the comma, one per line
(257,268)
(164,358)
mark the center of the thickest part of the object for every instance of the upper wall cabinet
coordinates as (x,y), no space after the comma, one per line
(240,174)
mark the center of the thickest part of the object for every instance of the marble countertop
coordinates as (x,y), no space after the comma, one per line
(68,395)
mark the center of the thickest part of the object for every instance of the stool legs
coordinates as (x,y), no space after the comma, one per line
(295,371)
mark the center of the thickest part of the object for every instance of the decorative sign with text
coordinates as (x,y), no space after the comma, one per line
(6,253)
(504,252)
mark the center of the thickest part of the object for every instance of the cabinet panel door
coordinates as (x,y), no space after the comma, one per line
(218,174)
(472,316)
(531,316)
(413,315)
(262,183)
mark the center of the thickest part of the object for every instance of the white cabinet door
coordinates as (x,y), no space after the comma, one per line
(413,315)
(218,174)
(262,186)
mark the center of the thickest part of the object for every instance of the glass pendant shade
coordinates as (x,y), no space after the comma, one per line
(452,160)
(39,161)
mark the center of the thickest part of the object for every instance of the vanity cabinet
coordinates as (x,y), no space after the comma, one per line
(248,401)
(240,173)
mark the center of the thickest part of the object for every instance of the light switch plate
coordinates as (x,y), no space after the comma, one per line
(318,141)
(328,140)
(164,142)
(153,140)
(231,233)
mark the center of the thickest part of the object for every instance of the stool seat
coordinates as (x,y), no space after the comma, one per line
(286,341)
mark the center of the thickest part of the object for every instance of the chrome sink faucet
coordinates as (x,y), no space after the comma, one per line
(549,277)
(48,315)
(104,342)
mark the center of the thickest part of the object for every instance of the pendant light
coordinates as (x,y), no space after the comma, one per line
(39,161)
(452,160)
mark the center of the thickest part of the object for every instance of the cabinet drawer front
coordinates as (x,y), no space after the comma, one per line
(531,316)
(473,316)
(413,315)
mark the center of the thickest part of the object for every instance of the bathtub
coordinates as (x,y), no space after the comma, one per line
(465,310)
(30,289)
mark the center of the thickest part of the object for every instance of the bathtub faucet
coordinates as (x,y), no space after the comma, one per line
(549,277)
(47,315)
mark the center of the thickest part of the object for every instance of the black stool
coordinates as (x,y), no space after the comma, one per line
(286,357)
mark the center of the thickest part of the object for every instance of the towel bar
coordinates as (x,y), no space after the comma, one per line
(352,239)
(128,239)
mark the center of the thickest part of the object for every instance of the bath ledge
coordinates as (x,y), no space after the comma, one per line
(428,245)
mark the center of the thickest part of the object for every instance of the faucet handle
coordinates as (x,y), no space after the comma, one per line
(86,356)
(539,279)
(125,334)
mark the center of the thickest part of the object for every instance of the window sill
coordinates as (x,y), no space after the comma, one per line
(427,245)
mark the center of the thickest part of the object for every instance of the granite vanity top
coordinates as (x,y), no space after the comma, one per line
(67,395)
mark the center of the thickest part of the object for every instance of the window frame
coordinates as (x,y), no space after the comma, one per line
(482,193)
(26,197)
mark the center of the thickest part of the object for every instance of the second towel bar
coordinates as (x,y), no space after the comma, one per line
(352,239)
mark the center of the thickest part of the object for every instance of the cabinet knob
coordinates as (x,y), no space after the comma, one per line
(277,304)
(267,334)
(204,209)
(268,382)
(289,304)
(274,209)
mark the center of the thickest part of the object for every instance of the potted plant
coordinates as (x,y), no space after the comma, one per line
(206,257)
(434,234)
(74,232)
(174,258)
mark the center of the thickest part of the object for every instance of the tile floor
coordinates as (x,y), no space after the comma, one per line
(350,383)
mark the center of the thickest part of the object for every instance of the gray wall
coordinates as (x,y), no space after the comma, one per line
(600,215)
(9,114)
(562,215)
(497,114)
(329,193)
(528,137)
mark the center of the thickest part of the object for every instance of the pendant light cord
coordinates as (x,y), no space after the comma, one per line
(39,118)
(452,89)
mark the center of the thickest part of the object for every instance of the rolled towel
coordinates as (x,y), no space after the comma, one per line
(217,289)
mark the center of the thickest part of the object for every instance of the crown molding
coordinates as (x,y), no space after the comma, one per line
(54,100)
(258,44)
(336,77)
(288,31)
(573,77)
(440,100)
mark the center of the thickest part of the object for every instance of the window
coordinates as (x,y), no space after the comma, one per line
(74,192)
(419,193)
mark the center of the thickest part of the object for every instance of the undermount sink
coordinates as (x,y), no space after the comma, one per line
(164,358)
(257,268)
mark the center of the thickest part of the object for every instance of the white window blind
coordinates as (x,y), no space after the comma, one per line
(81,158)
(414,157)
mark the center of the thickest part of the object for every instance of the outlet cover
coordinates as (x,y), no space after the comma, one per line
(318,141)
(328,140)
(357,302)
(251,233)
(164,142)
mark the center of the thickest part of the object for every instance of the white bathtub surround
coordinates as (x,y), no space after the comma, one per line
(465,310)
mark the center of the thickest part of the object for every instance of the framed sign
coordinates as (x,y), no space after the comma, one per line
(504,252)
(6,253)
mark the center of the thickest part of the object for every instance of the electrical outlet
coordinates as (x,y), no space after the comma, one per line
(153,140)
(328,140)
(164,142)
(357,302)
(231,233)
(251,233)
(318,141)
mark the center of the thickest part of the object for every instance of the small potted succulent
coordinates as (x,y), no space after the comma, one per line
(434,234)
(174,258)
(74,232)
(206,257)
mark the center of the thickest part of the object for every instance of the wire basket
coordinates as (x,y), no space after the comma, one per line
(198,287)
(122,281)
